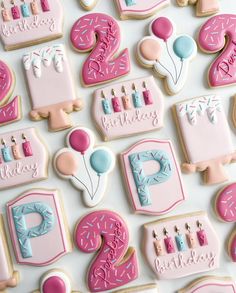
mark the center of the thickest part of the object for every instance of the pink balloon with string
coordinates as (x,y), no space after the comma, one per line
(162,28)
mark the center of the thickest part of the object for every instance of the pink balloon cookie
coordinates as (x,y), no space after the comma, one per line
(211,284)
(128,108)
(100,33)
(55,281)
(205,136)
(23,158)
(153,177)
(225,206)
(54,99)
(86,166)
(38,227)
(9,112)
(180,246)
(167,54)
(218,35)
(8,277)
(114,265)
(29,22)
(203,7)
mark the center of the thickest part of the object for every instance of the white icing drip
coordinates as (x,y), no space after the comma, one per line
(46,55)
(198,106)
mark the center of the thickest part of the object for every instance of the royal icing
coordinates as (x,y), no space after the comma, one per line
(38,21)
(55,281)
(9,112)
(24,158)
(211,39)
(88,4)
(203,7)
(100,66)
(203,119)
(169,55)
(86,166)
(149,288)
(8,277)
(175,262)
(107,231)
(54,99)
(131,119)
(211,284)
(151,170)
(36,221)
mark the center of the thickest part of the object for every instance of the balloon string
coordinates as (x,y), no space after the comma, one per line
(90,179)
(83,185)
(99,176)
(172,61)
(166,70)
(182,63)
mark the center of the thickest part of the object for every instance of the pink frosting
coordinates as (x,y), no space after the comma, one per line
(109,270)
(54,284)
(100,66)
(6,81)
(232,247)
(226,203)
(212,39)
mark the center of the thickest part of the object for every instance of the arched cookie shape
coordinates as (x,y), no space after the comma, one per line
(55,281)
(36,220)
(8,277)
(152,177)
(128,108)
(205,137)
(225,207)
(39,21)
(180,246)
(211,284)
(168,54)
(139,9)
(9,111)
(86,166)
(53,100)
(203,7)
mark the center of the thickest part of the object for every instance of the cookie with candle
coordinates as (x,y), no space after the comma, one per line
(51,86)
(83,164)
(30,22)
(203,7)
(205,137)
(8,277)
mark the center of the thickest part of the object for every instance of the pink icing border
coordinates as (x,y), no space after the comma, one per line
(176,166)
(136,10)
(9,216)
(214,284)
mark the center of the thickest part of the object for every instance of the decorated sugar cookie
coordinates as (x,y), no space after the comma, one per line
(38,227)
(218,35)
(51,86)
(100,33)
(55,281)
(8,277)
(128,108)
(139,9)
(180,246)
(167,54)
(29,22)
(205,137)
(88,4)
(203,7)
(116,263)
(211,284)
(23,158)
(149,288)
(86,166)
(152,177)
(225,206)
(9,111)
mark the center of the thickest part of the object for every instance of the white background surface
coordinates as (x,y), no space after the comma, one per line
(199,197)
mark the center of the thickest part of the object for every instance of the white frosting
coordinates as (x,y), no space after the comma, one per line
(210,104)
(45,56)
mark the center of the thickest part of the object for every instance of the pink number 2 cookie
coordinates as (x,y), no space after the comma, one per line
(9,112)
(114,266)
(99,33)
(218,35)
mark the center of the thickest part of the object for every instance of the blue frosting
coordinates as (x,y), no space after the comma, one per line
(25,10)
(101,161)
(137,100)
(6,153)
(130,2)
(23,233)
(180,242)
(183,47)
(106,106)
(143,181)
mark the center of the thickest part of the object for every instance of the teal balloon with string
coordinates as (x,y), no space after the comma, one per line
(183,47)
(101,161)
